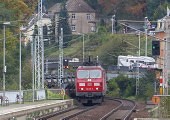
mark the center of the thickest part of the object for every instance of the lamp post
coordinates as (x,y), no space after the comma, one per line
(4,66)
(139,44)
(137,78)
(83,44)
(113,24)
(137,67)
(20,38)
(146,29)
(83,48)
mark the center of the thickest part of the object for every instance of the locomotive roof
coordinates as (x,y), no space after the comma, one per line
(90,67)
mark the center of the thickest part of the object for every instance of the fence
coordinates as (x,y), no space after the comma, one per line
(30,95)
(163,108)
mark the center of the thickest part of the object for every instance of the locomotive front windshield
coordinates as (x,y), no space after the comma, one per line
(89,74)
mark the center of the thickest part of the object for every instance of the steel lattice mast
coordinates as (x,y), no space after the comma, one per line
(39,52)
(60,65)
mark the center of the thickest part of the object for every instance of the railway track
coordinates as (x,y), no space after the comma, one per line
(65,114)
(123,112)
(111,109)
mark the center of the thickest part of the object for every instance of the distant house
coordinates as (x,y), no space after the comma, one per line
(29,29)
(162,34)
(55,9)
(82,18)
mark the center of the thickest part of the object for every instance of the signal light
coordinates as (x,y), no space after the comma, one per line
(155,47)
(65,62)
(66,67)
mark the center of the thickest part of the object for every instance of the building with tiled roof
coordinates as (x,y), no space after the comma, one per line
(54,9)
(78,6)
(29,29)
(82,17)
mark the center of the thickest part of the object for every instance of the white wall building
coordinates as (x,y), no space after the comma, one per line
(29,29)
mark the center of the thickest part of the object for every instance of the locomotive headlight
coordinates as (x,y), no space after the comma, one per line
(81,88)
(97,88)
(96,84)
(81,84)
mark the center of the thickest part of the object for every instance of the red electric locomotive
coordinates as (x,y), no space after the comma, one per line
(90,84)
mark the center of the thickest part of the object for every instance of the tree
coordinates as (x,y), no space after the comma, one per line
(111,47)
(27,75)
(94,4)
(5,13)
(18,9)
(63,23)
(146,88)
(12,60)
(50,3)
(113,88)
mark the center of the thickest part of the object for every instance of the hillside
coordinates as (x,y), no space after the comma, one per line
(105,45)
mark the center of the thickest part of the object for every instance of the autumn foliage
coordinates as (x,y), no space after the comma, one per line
(137,9)
(133,7)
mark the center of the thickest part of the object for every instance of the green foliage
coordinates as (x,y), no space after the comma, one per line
(51,95)
(27,75)
(28,95)
(126,85)
(12,59)
(50,3)
(94,4)
(156,9)
(131,9)
(102,30)
(63,23)
(14,10)
(113,89)
(12,82)
(5,13)
(125,9)
(104,45)
(146,88)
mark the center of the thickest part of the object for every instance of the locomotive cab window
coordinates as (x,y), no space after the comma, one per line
(89,74)
(83,74)
(95,74)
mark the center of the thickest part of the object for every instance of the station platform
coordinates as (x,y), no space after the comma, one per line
(31,110)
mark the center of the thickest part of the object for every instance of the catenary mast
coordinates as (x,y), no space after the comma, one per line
(39,52)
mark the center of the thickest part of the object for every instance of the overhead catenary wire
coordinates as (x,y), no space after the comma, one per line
(134,21)
(162,40)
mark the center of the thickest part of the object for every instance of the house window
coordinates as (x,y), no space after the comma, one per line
(88,17)
(73,27)
(93,29)
(73,16)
